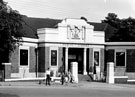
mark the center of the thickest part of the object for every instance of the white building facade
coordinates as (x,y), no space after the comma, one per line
(74,40)
(67,41)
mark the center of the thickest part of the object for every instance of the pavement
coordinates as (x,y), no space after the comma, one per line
(81,84)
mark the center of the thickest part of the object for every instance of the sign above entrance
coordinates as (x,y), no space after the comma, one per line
(76,32)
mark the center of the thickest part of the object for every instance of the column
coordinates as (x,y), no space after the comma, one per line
(84,62)
(74,71)
(110,73)
(66,59)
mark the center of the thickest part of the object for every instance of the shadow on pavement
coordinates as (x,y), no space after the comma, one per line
(8,95)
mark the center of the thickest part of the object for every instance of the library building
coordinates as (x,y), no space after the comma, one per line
(58,44)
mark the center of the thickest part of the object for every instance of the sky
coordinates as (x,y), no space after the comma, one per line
(93,10)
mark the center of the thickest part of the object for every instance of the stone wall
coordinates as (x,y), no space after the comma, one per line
(41,59)
(32,64)
(15,61)
(60,59)
(102,60)
(90,59)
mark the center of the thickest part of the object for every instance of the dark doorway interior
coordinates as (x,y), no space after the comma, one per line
(76,55)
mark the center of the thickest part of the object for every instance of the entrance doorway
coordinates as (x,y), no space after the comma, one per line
(76,55)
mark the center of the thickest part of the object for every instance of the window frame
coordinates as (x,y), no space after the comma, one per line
(127,65)
(96,50)
(53,49)
(116,51)
(24,48)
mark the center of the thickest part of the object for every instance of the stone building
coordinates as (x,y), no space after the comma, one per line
(56,43)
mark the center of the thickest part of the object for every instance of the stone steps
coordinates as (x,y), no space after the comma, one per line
(84,78)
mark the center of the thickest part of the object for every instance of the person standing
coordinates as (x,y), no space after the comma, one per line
(95,73)
(69,76)
(48,76)
(62,78)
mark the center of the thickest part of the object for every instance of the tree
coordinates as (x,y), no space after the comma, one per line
(10,25)
(125,28)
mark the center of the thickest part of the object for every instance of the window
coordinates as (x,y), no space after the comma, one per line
(96,58)
(23,57)
(120,58)
(54,57)
(130,60)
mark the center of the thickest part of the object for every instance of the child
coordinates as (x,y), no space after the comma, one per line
(62,78)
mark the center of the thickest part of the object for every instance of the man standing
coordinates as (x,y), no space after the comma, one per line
(48,76)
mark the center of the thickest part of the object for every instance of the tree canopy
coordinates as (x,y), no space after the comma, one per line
(125,28)
(10,25)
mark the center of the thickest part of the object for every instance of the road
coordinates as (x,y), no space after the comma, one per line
(68,91)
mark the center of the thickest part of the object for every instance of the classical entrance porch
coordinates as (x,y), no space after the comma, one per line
(78,55)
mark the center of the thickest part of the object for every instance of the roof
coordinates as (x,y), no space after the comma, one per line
(108,29)
(30,26)
(98,26)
